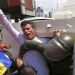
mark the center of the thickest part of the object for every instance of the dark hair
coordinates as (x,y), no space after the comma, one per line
(28,70)
(25,22)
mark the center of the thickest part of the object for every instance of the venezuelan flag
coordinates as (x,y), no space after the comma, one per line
(5,63)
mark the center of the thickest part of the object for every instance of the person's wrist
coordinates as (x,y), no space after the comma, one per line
(21,67)
(20,55)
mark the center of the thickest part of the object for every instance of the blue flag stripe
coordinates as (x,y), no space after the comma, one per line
(3,59)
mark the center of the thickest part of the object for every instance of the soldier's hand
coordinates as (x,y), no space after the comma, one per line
(19,63)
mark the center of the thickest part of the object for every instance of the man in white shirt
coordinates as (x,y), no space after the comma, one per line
(28,33)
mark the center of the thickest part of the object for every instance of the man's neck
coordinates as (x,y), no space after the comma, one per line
(36,39)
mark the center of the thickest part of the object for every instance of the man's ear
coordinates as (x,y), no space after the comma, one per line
(34,29)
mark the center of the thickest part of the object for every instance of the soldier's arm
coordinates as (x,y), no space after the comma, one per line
(31,45)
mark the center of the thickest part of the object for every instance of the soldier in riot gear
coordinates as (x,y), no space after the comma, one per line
(58,53)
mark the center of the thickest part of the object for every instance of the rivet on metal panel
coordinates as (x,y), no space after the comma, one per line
(48,25)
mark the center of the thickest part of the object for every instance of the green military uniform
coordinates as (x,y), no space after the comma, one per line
(62,67)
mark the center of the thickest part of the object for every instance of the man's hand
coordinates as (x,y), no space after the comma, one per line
(57,32)
(2,17)
(5,45)
(1,12)
(19,63)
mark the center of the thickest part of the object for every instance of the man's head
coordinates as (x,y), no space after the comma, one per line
(28,70)
(28,29)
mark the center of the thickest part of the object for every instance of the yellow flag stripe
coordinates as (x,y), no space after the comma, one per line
(2,69)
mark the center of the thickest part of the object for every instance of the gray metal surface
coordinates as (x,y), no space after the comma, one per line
(43,31)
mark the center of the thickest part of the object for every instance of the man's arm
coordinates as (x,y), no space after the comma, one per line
(5,45)
(8,26)
(31,45)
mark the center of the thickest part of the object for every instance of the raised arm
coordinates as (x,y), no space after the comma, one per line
(8,26)
(31,45)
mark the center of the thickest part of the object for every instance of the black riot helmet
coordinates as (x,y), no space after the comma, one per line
(56,49)
(60,47)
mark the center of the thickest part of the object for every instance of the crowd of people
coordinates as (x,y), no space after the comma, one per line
(34,62)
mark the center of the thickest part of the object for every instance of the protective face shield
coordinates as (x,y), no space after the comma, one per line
(59,47)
